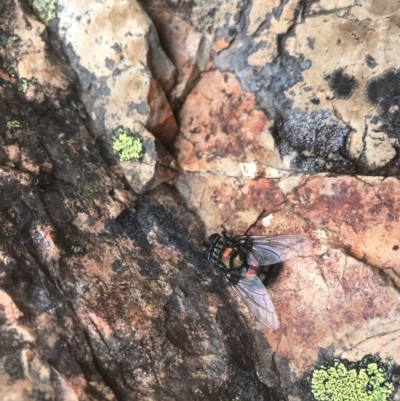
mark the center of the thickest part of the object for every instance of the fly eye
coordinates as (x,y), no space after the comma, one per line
(205,253)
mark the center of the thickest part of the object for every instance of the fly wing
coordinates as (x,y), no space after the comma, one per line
(270,249)
(252,291)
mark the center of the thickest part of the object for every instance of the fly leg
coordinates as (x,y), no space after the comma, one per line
(224,232)
(260,216)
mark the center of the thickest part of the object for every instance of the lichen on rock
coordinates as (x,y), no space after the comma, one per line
(126,145)
(341,380)
(23,85)
(13,125)
(45,9)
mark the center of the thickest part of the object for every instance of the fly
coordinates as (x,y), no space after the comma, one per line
(241,260)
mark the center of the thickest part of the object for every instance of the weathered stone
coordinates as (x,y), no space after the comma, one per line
(26,62)
(220,129)
(123,73)
(344,67)
(105,293)
(184,46)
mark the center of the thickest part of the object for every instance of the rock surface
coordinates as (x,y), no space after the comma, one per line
(103,289)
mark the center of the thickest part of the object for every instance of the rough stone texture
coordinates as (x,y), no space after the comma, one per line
(103,290)
(344,79)
(302,78)
(123,73)
(186,47)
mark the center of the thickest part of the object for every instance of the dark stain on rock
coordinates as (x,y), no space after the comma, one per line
(110,63)
(119,266)
(395,248)
(11,341)
(383,92)
(141,108)
(14,368)
(127,223)
(170,229)
(239,351)
(370,61)
(38,395)
(270,82)
(341,84)
(188,323)
(318,139)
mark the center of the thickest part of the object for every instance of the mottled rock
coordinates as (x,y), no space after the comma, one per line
(105,293)
(277,52)
(221,130)
(27,64)
(123,75)
(347,66)
(185,46)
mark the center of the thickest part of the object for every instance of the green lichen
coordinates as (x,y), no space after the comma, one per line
(45,9)
(8,39)
(23,85)
(4,84)
(13,125)
(10,66)
(13,39)
(126,145)
(77,249)
(341,380)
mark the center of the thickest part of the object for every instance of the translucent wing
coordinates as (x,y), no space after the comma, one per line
(270,249)
(252,291)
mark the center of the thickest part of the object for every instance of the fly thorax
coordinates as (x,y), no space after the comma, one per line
(231,257)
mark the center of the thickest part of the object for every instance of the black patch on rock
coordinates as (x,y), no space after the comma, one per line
(38,395)
(141,108)
(383,92)
(269,82)
(341,84)
(241,354)
(310,43)
(14,368)
(171,230)
(119,266)
(318,139)
(127,223)
(370,61)
(110,63)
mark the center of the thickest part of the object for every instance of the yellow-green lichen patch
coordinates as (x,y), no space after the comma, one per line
(13,39)
(23,85)
(13,125)
(341,380)
(126,145)
(77,249)
(8,39)
(4,84)
(45,9)
(10,66)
